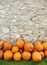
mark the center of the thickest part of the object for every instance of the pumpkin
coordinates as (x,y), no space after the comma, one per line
(15,49)
(8,55)
(28,46)
(1,54)
(26,55)
(2,43)
(36,56)
(7,45)
(20,43)
(45,53)
(38,46)
(42,54)
(17,56)
(44,45)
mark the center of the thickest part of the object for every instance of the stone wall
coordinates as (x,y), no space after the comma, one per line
(26,19)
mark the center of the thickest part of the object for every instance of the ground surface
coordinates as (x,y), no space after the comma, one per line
(23,62)
(26,19)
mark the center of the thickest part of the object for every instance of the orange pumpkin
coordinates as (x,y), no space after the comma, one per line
(26,55)
(15,49)
(36,56)
(42,54)
(7,45)
(38,46)
(45,53)
(1,54)
(2,43)
(20,43)
(8,55)
(44,45)
(17,56)
(28,46)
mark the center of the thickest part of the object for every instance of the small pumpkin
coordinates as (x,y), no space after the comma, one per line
(15,49)
(36,56)
(8,55)
(7,45)
(38,46)
(42,54)
(28,46)
(17,56)
(44,45)
(26,55)
(45,53)
(2,43)
(20,43)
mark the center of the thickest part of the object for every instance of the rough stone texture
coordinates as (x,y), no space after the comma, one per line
(26,19)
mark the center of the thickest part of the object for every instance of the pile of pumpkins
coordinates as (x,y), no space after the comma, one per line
(23,50)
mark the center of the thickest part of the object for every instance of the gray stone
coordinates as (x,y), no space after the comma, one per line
(23,19)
